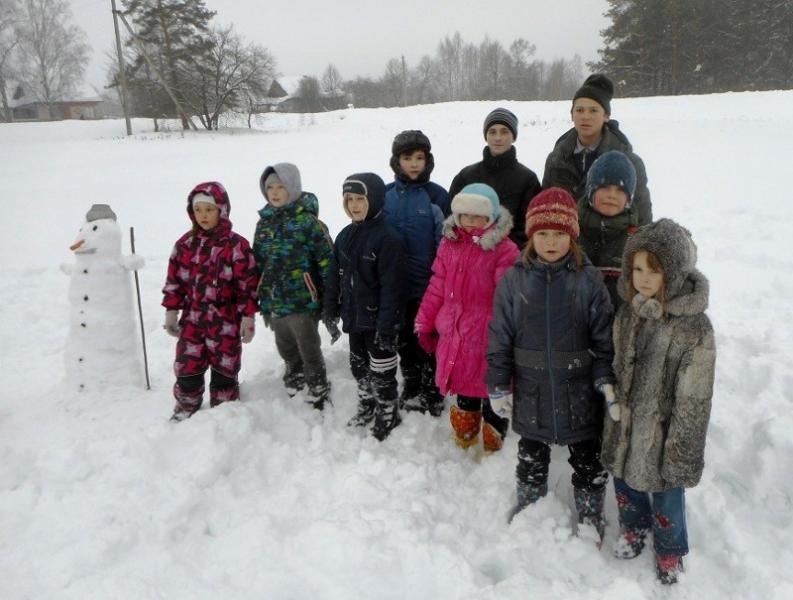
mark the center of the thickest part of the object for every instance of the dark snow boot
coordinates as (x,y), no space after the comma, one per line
(630,543)
(386,418)
(433,399)
(410,398)
(527,494)
(668,568)
(319,394)
(366,405)
(294,380)
(590,513)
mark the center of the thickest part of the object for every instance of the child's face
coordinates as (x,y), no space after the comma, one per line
(499,139)
(469,222)
(646,281)
(357,205)
(206,215)
(413,163)
(551,245)
(588,119)
(610,200)
(277,195)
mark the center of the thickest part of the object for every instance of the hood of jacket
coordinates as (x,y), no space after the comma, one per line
(289,176)
(677,253)
(218,192)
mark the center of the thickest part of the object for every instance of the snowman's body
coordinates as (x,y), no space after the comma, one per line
(102,346)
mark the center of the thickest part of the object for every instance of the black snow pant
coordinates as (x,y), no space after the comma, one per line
(588,472)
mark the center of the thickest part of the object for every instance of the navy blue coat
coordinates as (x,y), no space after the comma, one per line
(550,337)
(366,285)
(416,211)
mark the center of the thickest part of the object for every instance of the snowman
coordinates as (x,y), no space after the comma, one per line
(102,344)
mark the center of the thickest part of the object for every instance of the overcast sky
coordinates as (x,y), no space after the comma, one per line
(360,36)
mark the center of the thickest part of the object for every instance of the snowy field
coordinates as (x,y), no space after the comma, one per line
(102,497)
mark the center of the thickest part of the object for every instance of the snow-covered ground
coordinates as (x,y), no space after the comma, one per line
(102,497)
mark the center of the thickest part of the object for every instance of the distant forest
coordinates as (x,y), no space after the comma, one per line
(180,63)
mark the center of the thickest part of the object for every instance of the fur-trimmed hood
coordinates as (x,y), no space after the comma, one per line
(676,251)
(490,237)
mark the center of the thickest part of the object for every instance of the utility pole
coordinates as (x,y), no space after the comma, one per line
(122,74)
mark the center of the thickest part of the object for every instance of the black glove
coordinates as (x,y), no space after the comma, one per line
(332,325)
(387,342)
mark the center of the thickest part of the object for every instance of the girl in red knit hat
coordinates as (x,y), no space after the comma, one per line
(550,348)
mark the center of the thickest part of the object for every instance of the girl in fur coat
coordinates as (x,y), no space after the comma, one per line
(452,320)
(654,440)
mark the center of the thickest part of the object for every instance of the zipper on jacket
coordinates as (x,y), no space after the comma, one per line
(548,350)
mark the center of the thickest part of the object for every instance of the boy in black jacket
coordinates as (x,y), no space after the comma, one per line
(499,168)
(366,289)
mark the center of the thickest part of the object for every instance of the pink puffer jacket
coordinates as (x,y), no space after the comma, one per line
(458,303)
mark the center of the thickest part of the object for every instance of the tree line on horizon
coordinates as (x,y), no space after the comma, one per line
(178,57)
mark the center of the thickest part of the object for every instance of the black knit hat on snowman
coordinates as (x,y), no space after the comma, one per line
(502,116)
(406,142)
(599,88)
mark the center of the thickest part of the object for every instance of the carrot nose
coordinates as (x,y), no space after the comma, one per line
(76,245)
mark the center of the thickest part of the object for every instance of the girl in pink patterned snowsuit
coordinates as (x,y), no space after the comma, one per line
(452,320)
(212,279)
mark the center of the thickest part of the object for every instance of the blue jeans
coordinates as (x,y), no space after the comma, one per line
(666,516)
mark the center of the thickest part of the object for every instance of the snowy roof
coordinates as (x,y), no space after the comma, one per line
(17,96)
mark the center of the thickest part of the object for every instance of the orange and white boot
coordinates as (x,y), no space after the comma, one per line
(466,425)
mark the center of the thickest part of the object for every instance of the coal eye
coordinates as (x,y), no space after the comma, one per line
(95,227)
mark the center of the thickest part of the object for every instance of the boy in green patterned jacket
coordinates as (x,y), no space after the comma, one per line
(293,251)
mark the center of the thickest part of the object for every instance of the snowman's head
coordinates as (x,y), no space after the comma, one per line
(100,234)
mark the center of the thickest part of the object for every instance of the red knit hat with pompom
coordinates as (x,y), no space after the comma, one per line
(553,208)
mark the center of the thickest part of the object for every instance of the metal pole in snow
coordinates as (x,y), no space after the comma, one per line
(140,312)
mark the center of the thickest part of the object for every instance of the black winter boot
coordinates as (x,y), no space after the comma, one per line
(433,399)
(366,405)
(411,388)
(527,494)
(319,394)
(386,418)
(294,379)
(590,512)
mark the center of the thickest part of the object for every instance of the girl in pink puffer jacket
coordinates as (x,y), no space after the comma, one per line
(452,320)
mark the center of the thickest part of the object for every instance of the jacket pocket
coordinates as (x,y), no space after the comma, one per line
(581,403)
(527,403)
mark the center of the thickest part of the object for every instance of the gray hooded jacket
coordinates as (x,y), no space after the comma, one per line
(664,363)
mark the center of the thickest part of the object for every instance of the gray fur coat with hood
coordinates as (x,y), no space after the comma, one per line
(664,363)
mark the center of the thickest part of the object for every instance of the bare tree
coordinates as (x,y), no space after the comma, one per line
(331,82)
(53,52)
(422,81)
(9,39)
(450,51)
(229,76)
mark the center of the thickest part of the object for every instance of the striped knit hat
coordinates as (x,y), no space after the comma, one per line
(553,208)
(504,117)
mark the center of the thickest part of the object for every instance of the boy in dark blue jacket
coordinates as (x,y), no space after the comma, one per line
(366,288)
(416,207)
